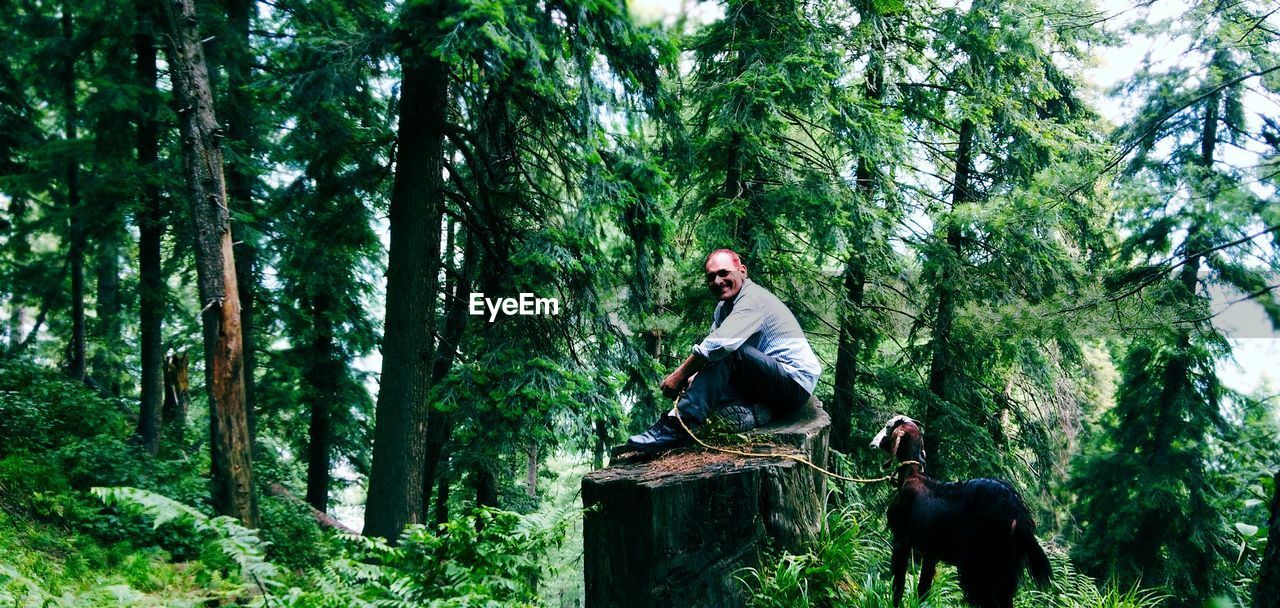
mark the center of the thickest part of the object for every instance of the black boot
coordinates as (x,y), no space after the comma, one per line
(665,434)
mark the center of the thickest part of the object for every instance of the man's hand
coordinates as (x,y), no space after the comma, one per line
(673,384)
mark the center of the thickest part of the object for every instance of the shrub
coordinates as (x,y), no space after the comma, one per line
(487,558)
(294,539)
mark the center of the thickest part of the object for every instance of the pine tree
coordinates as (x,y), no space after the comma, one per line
(1145,505)
(399,452)
(322,227)
(150,222)
(999,119)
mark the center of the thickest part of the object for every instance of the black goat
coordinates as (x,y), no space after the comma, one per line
(980,526)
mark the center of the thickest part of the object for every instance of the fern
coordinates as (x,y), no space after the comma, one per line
(848,566)
(242,545)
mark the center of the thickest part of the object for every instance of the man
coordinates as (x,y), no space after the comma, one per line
(755,362)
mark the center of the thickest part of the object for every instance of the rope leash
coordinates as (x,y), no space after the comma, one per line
(799,459)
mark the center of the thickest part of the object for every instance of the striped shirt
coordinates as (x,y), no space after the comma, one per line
(758,318)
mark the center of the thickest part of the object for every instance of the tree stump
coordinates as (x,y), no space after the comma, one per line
(674,531)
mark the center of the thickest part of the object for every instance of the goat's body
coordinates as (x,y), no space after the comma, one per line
(980,526)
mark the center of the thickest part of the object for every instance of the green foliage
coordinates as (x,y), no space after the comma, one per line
(290,535)
(40,413)
(487,558)
(49,565)
(848,565)
(232,540)
(1143,488)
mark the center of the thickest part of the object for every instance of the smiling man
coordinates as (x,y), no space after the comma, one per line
(755,363)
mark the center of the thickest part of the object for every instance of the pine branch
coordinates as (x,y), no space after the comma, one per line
(1160,270)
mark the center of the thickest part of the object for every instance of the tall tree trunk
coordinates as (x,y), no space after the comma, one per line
(941,367)
(601,443)
(231,450)
(399,447)
(20,249)
(75,250)
(1267,594)
(442,494)
(112,143)
(531,470)
(321,377)
(238,115)
(150,220)
(485,484)
(177,398)
(109,308)
(439,423)
(853,339)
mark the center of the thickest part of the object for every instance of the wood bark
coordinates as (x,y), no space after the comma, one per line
(531,470)
(853,341)
(322,518)
(112,147)
(485,484)
(231,449)
(439,423)
(177,398)
(109,309)
(677,532)
(941,365)
(150,220)
(238,115)
(1267,594)
(20,252)
(321,377)
(442,494)
(76,246)
(399,447)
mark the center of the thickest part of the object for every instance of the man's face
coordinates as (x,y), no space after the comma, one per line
(724,276)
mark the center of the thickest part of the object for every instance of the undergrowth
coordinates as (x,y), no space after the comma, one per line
(848,566)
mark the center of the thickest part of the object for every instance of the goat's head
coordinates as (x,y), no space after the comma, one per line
(902,438)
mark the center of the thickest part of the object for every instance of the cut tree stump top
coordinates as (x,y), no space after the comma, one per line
(675,531)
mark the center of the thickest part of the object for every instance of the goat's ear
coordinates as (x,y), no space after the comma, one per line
(897,438)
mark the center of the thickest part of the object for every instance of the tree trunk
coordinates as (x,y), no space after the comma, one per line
(75,250)
(439,423)
(442,494)
(238,56)
(853,331)
(177,399)
(150,219)
(678,531)
(940,367)
(112,149)
(485,483)
(20,249)
(531,471)
(231,450)
(601,444)
(321,378)
(399,448)
(322,518)
(1267,595)
(109,309)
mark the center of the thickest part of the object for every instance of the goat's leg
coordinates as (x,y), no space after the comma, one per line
(927,571)
(901,553)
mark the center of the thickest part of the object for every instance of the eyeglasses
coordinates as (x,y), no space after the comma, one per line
(711,276)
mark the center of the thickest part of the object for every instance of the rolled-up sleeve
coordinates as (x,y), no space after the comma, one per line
(744,321)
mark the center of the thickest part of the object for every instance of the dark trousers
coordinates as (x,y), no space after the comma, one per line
(746,377)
